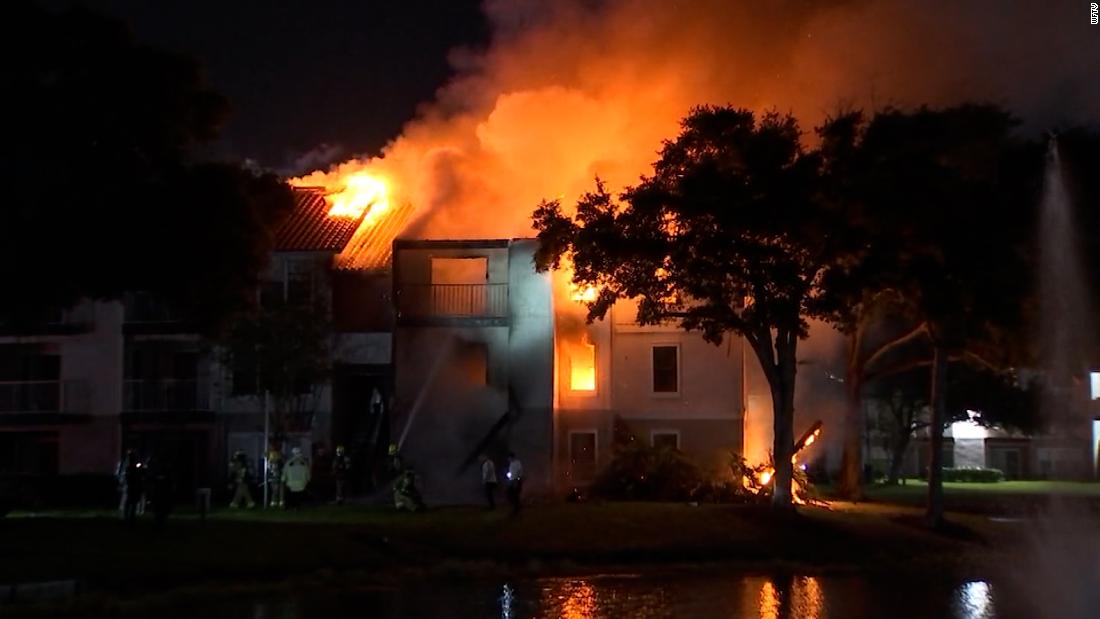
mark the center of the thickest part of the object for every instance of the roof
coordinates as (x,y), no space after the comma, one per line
(371,247)
(309,228)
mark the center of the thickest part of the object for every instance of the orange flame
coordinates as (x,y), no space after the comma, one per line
(350,195)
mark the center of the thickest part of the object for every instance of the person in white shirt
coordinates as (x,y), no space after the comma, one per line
(515,481)
(489,480)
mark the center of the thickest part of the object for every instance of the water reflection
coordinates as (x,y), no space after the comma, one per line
(974,600)
(506,599)
(670,594)
(786,597)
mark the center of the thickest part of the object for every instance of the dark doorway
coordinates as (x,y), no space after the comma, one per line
(361,398)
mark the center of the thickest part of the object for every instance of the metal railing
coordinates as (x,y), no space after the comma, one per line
(144,308)
(453,300)
(165,395)
(43,396)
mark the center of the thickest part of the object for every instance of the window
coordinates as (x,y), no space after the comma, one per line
(458,286)
(244,377)
(665,439)
(582,455)
(1094,385)
(582,365)
(29,379)
(460,271)
(20,363)
(299,282)
(666,369)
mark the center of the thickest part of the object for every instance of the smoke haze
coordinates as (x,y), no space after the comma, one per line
(571,89)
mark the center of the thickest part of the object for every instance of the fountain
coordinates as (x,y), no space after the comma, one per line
(1064,565)
(1064,330)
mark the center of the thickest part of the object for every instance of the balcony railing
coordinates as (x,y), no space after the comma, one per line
(452,300)
(144,308)
(43,396)
(165,395)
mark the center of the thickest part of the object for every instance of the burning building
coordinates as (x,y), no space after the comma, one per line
(489,356)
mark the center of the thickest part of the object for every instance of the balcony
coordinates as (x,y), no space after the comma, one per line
(146,314)
(72,321)
(44,396)
(452,301)
(166,395)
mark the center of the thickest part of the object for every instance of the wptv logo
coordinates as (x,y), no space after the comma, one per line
(1094,13)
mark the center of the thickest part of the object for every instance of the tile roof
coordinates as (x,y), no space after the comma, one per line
(371,247)
(309,228)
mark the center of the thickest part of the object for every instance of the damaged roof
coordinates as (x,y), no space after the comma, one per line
(309,228)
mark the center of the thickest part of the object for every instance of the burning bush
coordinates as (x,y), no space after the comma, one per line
(756,481)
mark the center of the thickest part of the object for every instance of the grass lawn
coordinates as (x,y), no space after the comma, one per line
(255,546)
(1002,498)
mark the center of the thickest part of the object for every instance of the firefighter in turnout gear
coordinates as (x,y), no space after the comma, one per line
(275,478)
(296,476)
(405,494)
(238,481)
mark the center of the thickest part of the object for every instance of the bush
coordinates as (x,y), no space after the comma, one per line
(973,475)
(643,473)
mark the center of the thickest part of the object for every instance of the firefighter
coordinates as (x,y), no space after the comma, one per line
(396,465)
(275,477)
(489,481)
(120,477)
(238,481)
(341,468)
(515,481)
(296,477)
(405,494)
(135,487)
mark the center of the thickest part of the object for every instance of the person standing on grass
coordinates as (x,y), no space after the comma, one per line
(238,480)
(275,477)
(489,481)
(296,477)
(135,487)
(515,481)
(120,476)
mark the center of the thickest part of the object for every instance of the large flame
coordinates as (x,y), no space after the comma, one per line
(351,194)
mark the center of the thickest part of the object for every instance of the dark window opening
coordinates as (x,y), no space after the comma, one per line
(666,440)
(666,374)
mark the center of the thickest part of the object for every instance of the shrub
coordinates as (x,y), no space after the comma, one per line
(643,473)
(973,475)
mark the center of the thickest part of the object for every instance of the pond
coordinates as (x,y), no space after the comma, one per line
(637,596)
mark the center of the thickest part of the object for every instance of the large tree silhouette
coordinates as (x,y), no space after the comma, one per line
(103,193)
(950,202)
(729,235)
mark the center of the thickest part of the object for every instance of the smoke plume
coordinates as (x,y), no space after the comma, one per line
(571,89)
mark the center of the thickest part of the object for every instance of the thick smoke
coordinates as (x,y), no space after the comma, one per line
(571,89)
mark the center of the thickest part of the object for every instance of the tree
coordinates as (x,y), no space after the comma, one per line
(934,183)
(904,399)
(103,191)
(281,349)
(728,235)
(991,398)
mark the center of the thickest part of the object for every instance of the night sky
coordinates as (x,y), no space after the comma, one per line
(295,73)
